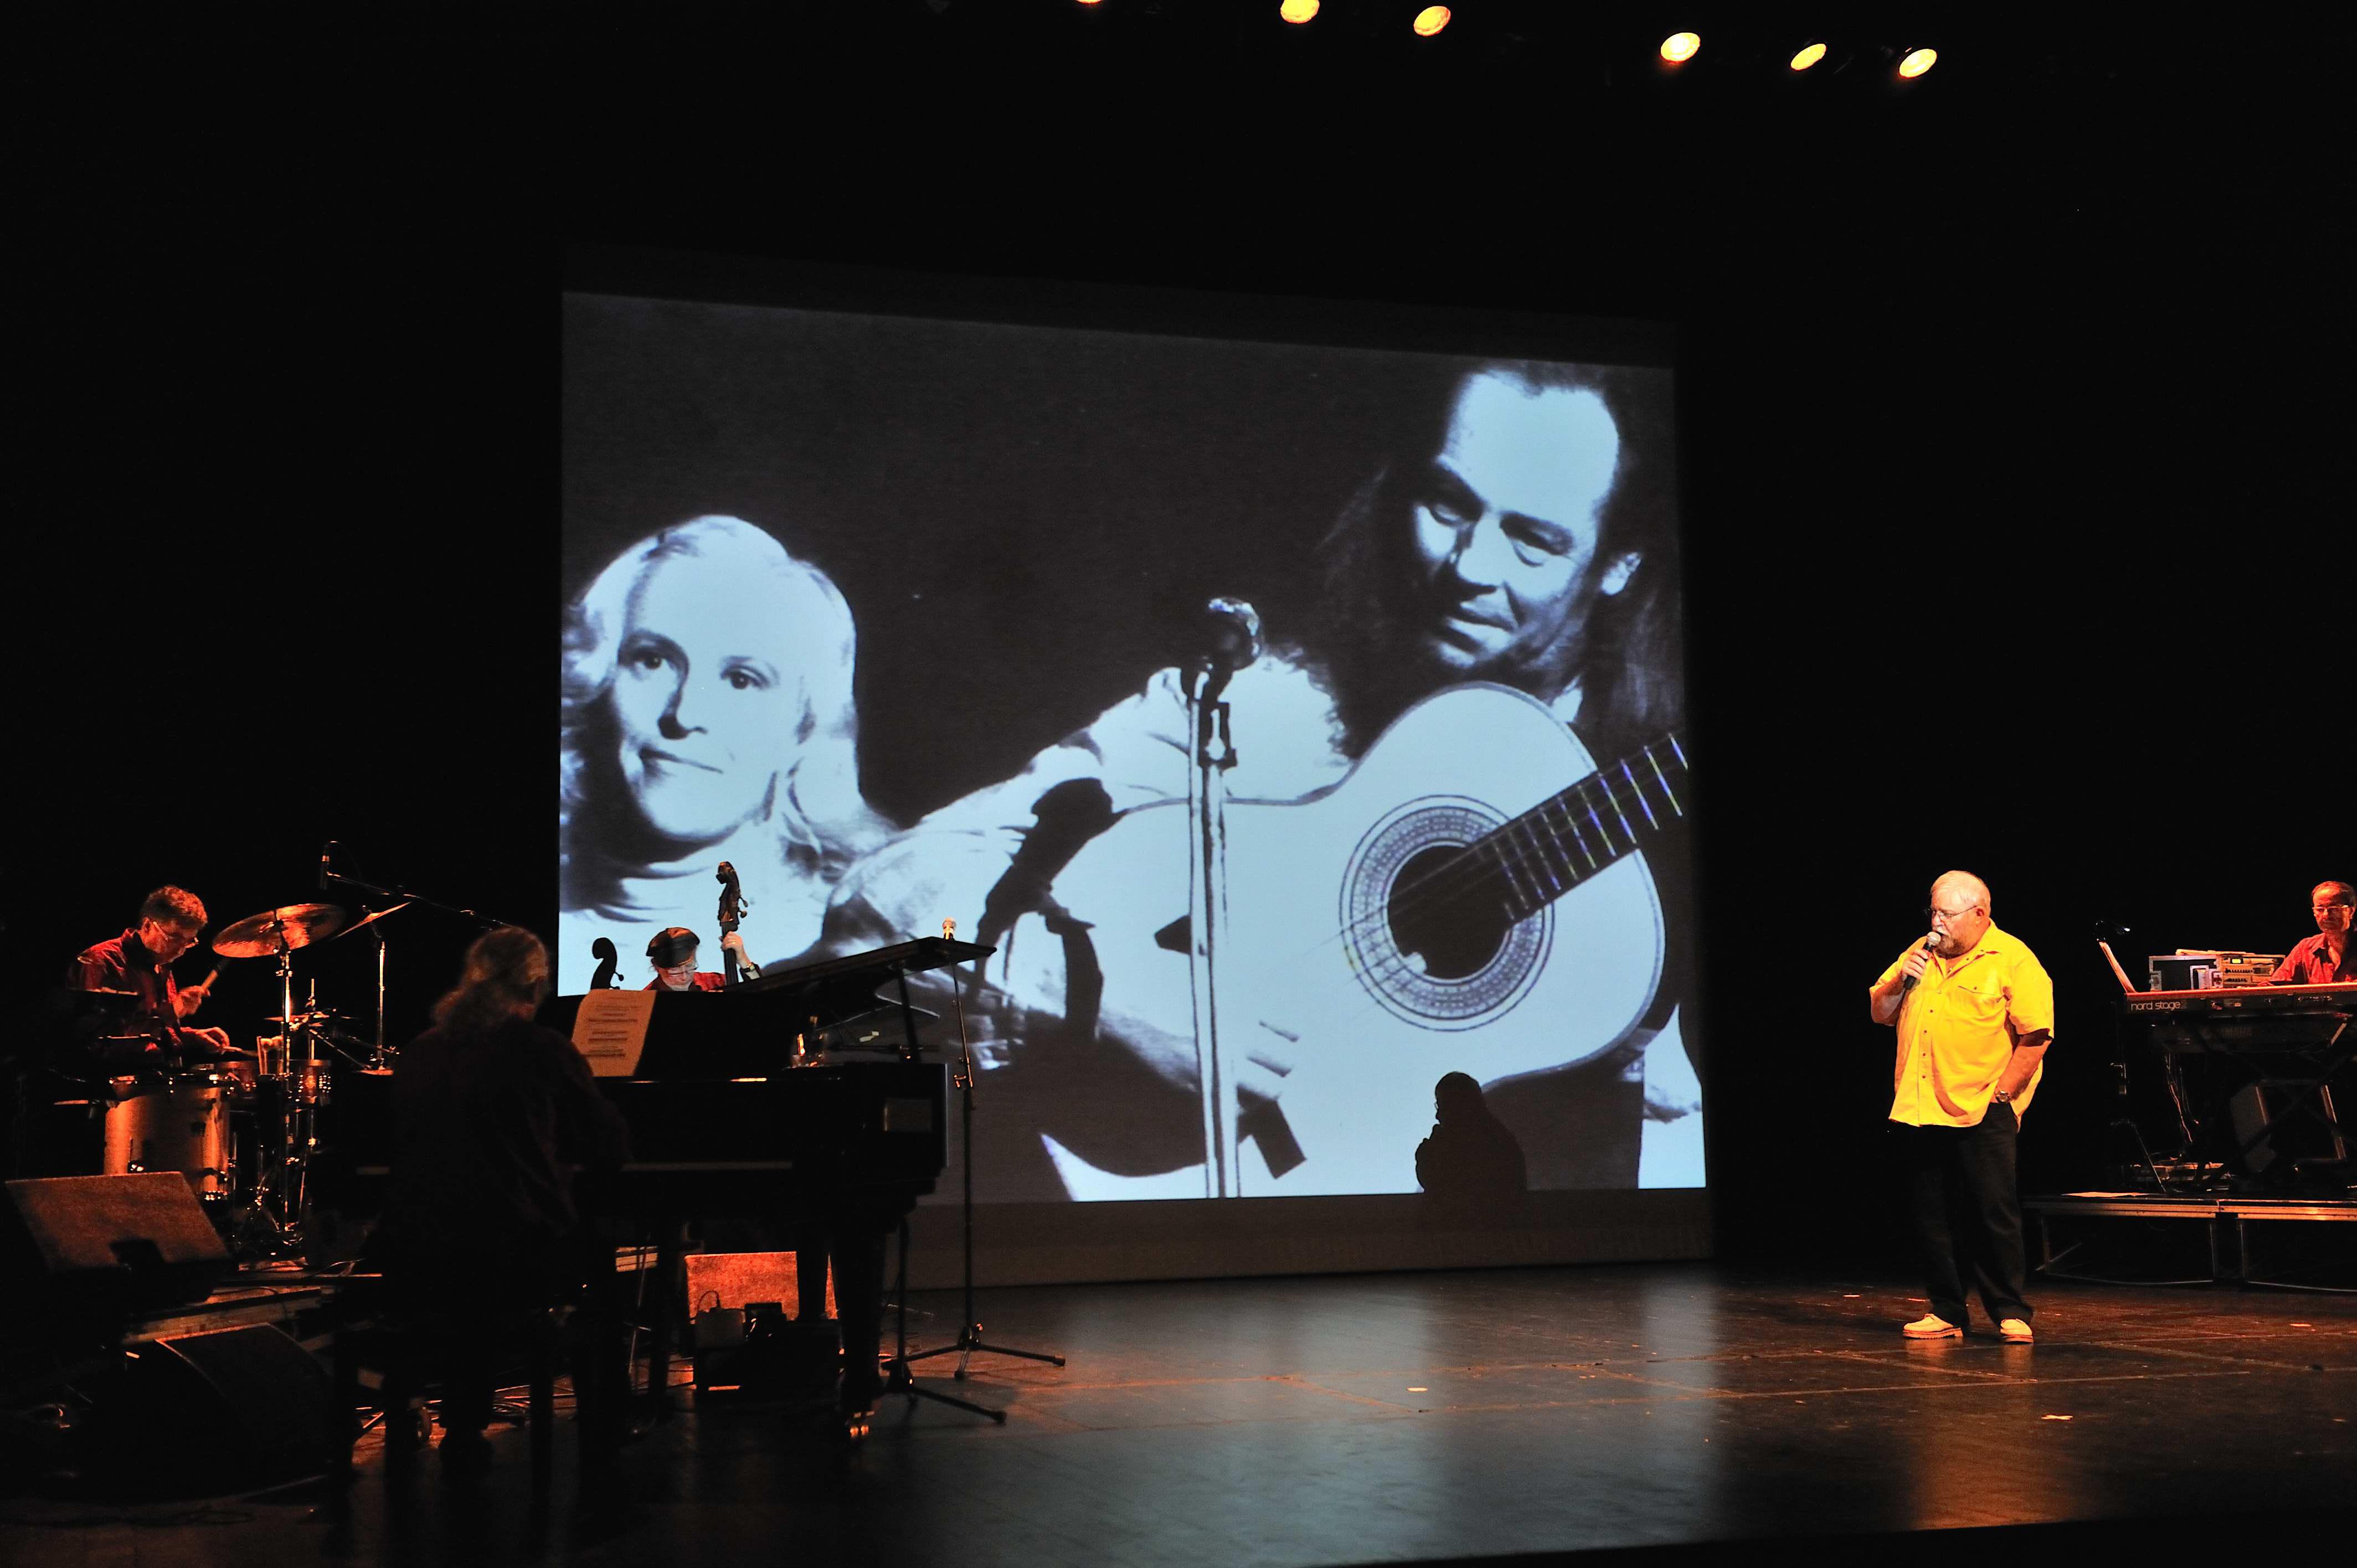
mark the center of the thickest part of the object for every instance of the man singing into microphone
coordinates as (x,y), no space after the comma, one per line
(1974,1012)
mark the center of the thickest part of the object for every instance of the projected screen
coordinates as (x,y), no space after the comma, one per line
(1302,725)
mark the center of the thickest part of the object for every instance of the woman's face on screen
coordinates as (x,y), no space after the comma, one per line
(704,698)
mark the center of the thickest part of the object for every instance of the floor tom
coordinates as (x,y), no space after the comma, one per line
(183,1126)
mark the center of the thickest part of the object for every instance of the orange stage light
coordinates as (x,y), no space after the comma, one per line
(1297,10)
(1917,62)
(1808,56)
(1680,48)
(1430,20)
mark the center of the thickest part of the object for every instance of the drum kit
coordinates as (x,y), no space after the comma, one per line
(244,1129)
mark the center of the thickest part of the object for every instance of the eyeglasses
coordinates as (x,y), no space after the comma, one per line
(1936,913)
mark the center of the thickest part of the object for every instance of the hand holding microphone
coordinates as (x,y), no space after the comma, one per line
(1918,961)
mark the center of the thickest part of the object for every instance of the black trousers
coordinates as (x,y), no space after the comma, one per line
(1967,1213)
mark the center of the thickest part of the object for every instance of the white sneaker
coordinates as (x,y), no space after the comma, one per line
(2013,1331)
(1931,1326)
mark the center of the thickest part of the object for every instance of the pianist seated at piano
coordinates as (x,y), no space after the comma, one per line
(706,716)
(493,1116)
(672,954)
(2323,959)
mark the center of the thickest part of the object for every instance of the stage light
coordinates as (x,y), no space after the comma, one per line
(1680,48)
(1297,10)
(1917,62)
(1430,20)
(1808,56)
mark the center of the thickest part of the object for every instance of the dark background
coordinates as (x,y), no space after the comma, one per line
(2010,403)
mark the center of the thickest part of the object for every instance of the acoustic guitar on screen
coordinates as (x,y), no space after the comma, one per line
(1450,905)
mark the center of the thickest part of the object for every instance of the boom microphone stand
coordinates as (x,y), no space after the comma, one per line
(2126,1115)
(970,1342)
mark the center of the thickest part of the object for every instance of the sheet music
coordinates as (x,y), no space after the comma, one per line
(611,1030)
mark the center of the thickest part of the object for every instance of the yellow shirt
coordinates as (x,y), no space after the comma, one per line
(1958,1027)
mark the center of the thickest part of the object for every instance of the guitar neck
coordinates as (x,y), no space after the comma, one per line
(1569,837)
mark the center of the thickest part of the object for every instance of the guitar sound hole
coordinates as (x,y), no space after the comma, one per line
(1446,914)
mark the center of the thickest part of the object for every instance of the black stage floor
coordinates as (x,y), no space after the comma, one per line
(1433,1418)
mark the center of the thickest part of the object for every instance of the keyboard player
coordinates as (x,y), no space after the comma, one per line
(2324,958)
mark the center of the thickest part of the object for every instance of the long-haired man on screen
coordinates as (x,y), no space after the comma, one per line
(1519,534)
(1974,1011)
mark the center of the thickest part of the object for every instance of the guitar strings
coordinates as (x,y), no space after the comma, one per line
(1464,871)
(1469,867)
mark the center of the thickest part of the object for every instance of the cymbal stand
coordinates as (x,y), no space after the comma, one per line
(278,1188)
(969,1342)
(378,1059)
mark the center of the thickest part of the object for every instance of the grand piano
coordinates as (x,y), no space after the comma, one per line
(799,1098)
(806,1080)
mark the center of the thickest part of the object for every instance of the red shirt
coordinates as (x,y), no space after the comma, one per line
(704,981)
(2310,964)
(125,963)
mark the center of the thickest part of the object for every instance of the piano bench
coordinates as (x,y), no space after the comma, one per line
(411,1352)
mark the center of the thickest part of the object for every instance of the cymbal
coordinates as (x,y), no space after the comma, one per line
(295,925)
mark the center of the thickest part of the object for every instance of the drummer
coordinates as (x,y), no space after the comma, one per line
(140,962)
(672,954)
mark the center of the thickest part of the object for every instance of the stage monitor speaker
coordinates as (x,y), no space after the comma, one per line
(227,1410)
(95,1248)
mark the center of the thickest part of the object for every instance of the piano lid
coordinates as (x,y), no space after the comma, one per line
(868,971)
(747,1030)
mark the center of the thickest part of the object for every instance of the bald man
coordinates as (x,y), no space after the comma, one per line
(1974,1009)
(2324,958)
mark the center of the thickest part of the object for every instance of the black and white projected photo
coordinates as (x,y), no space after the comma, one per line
(1301,725)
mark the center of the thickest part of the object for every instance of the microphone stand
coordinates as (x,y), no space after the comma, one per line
(898,1378)
(401,895)
(1212,753)
(2125,1116)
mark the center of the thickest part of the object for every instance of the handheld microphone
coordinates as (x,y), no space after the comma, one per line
(1931,944)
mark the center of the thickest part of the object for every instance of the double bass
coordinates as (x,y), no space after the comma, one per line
(733,905)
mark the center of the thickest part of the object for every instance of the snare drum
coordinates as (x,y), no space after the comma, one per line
(240,1073)
(184,1127)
